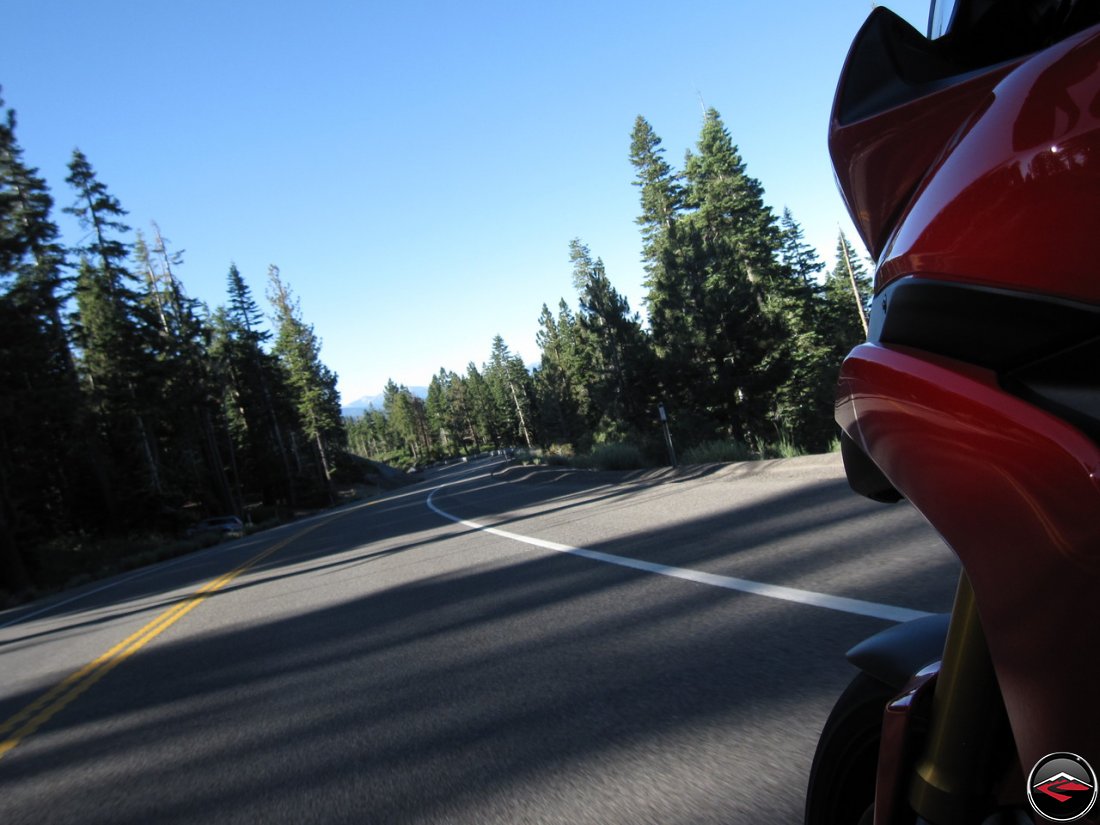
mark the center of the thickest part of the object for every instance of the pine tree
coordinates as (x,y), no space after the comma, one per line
(368,435)
(728,209)
(617,350)
(736,247)
(70,489)
(197,455)
(803,406)
(116,338)
(244,310)
(460,404)
(510,393)
(481,410)
(255,401)
(711,247)
(313,384)
(661,194)
(406,418)
(42,476)
(847,300)
(438,412)
(799,258)
(561,391)
(674,288)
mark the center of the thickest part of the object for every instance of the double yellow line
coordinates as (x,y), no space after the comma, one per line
(53,701)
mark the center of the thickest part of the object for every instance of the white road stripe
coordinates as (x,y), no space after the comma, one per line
(773,591)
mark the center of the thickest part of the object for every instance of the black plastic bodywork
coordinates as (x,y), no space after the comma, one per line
(891,63)
(897,653)
(863,475)
(1045,350)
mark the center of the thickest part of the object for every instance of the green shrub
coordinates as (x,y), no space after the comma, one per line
(617,456)
(558,455)
(783,448)
(528,456)
(713,452)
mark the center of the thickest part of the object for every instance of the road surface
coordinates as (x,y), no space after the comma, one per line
(490,645)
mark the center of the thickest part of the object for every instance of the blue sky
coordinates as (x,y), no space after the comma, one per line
(417,169)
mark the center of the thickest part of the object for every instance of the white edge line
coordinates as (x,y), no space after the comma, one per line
(857,607)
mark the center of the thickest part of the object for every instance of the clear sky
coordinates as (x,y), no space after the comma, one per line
(417,169)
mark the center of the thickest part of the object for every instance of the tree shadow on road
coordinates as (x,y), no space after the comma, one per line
(526,688)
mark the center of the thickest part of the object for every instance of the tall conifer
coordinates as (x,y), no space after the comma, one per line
(847,295)
(41,470)
(738,243)
(255,403)
(803,406)
(616,348)
(561,388)
(313,384)
(116,335)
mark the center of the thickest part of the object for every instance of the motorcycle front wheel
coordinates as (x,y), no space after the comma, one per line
(842,779)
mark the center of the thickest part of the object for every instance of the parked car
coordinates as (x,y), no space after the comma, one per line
(227,525)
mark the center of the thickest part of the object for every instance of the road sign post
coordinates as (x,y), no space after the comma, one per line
(668,435)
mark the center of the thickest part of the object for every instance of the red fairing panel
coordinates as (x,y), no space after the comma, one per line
(880,161)
(1016,493)
(1015,200)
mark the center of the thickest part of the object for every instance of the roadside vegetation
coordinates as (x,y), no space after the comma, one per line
(631,457)
(131,410)
(745,334)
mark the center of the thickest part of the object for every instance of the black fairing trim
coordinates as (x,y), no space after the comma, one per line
(1043,349)
(863,475)
(1066,384)
(891,63)
(897,653)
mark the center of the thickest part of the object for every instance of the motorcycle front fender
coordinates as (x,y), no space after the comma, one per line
(900,657)
(894,655)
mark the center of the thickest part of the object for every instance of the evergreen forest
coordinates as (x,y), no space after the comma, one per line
(130,409)
(745,334)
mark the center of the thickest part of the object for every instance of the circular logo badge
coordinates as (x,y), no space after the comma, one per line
(1062,787)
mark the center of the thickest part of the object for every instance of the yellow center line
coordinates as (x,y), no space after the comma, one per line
(50,703)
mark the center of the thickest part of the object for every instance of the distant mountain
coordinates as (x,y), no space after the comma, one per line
(360,406)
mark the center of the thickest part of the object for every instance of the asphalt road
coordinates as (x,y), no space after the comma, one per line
(525,647)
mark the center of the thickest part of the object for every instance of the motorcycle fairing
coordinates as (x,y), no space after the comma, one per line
(1042,348)
(895,91)
(1013,198)
(1015,492)
(991,184)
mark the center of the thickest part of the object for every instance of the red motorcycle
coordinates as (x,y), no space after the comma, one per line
(970,162)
